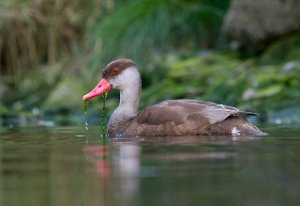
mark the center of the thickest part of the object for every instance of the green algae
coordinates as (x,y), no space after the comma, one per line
(103,117)
(104,124)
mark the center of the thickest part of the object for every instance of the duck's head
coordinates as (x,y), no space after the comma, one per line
(118,74)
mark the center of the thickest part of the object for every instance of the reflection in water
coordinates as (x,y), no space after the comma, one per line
(58,167)
(123,164)
(126,163)
(185,140)
(119,169)
(97,155)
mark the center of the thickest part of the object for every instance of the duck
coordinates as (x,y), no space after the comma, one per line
(182,117)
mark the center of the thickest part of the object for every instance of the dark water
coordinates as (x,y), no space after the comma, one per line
(69,166)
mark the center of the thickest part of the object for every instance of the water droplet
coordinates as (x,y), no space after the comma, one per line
(85,115)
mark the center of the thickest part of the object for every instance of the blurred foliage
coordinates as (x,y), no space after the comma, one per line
(38,32)
(53,51)
(248,84)
(283,50)
(141,29)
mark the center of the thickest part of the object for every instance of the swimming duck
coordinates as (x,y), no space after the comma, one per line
(168,118)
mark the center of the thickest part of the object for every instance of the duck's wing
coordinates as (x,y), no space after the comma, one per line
(179,111)
(218,112)
(173,117)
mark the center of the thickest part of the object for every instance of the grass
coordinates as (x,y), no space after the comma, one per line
(142,29)
(39,32)
(44,32)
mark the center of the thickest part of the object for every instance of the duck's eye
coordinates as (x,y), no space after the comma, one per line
(115,71)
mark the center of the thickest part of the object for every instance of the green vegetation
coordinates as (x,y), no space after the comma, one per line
(248,84)
(85,114)
(52,52)
(143,28)
(103,118)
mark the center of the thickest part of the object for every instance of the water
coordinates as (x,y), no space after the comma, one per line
(70,166)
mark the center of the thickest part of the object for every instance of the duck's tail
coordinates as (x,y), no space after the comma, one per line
(235,126)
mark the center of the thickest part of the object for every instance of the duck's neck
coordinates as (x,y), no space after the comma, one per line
(128,107)
(129,102)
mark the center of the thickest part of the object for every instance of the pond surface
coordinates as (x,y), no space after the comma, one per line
(70,166)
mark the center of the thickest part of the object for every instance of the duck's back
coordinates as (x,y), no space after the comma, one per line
(191,117)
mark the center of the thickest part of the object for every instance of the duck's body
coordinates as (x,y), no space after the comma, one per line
(186,117)
(168,118)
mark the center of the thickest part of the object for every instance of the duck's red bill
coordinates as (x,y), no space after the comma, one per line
(102,87)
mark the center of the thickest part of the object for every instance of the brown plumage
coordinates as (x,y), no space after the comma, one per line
(168,118)
(190,117)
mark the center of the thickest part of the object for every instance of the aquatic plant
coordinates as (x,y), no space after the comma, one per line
(103,118)
(85,114)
